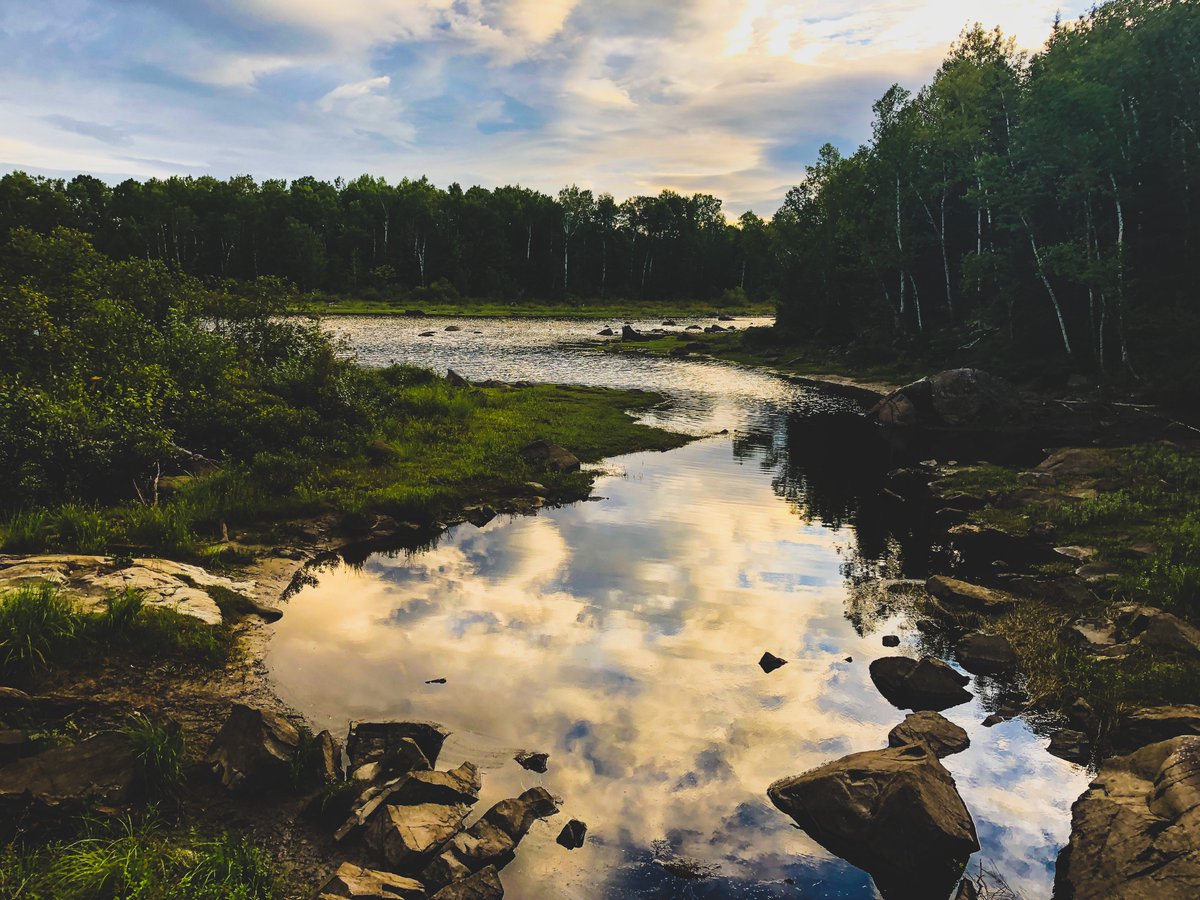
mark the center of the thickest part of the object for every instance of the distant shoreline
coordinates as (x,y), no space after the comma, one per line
(490,310)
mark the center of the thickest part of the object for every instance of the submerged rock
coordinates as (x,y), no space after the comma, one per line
(254,749)
(933,730)
(928,684)
(895,813)
(1071,745)
(351,882)
(550,455)
(1135,832)
(770,662)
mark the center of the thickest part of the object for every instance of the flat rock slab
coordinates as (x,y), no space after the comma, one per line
(352,882)
(164,584)
(1144,725)
(373,741)
(1135,832)
(483,885)
(98,769)
(895,813)
(956,593)
(401,836)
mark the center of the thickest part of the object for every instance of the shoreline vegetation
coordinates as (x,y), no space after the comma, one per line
(616,310)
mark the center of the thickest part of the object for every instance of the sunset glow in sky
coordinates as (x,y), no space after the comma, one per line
(730,97)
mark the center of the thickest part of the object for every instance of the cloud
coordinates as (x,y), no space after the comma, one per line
(725,96)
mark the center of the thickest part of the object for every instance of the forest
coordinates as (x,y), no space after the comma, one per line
(1020,208)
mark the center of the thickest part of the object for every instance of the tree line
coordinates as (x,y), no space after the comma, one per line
(1043,205)
(377,240)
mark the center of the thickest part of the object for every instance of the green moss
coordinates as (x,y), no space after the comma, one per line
(981,479)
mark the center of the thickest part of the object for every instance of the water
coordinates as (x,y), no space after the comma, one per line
(622,637)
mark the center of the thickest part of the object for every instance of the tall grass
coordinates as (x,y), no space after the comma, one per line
(158,753)
(37,625)
(139,860)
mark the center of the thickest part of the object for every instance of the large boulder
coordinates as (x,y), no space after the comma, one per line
(402,836)
(933,730)
(1143,725)
(1135,832)
(927,684)
(550,455)
(254,749)
(957,594)
(895,813)
(1157,630)
(455,787)
(351,882)
(957,398)
(492,841)
(986,654)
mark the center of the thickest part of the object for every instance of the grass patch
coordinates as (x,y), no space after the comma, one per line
(435,448)
(40,628)
(130,860)
(158,753)
(980,480)
(595,308)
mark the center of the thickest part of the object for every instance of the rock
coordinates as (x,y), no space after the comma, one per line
(1157,630)
(426,334)
(1076,462)
(891,640)
(966,890)
(629,333)
(254,749)
(1071,745)
(926,685)
(356,883)
(572,835)
(550,455)
(435,681)
(956,593)
(372,741)
(670,323)
(1074,552)
(986,654)
(895,813)
(99,769)
(14,743)
(492,841)
(403,835)
(993,719)
(1143,725)
(957,398)
(480,515)
(1135,832)
(405,757)
(933,730)
(770,662)
(1097,635)
(534,762)
(605,332)
(483,885)
(1095,573)
(452,328)
(455,786)
(324,765)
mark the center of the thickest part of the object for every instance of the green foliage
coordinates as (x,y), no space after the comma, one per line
(37,626)
(158,753)
(130,860)
(40,628)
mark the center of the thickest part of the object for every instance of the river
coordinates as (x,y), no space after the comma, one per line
(622,635)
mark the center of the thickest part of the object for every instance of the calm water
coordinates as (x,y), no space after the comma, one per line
(622,637)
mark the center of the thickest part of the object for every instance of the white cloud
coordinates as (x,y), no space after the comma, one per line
(353,91)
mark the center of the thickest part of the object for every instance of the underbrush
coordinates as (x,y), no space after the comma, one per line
(138,860)
(40,628)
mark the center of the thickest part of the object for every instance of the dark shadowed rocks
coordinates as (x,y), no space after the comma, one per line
(956,398)
(928,684)
(483,885)
(1143,725)
(533,762)
(1135,832)
(986,654)
(456,380)
(957,594)
(254,749)
(99,769)
(770,662)
(373,741)
(933,730)
(895,813)
(572,835)
(550,455)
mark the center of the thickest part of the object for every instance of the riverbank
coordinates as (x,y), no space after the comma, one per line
(617,310)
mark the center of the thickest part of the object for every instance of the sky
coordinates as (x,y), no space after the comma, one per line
(729,97)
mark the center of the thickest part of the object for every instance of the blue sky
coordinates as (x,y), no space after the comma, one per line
(731,97)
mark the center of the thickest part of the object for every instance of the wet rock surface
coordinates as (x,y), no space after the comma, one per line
(933,730)
(895,813)
(986,654)
(927,684)
(1135,832)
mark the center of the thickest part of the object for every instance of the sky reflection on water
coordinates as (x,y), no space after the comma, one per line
(622,637)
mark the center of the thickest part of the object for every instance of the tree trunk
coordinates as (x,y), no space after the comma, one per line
(1037,258)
